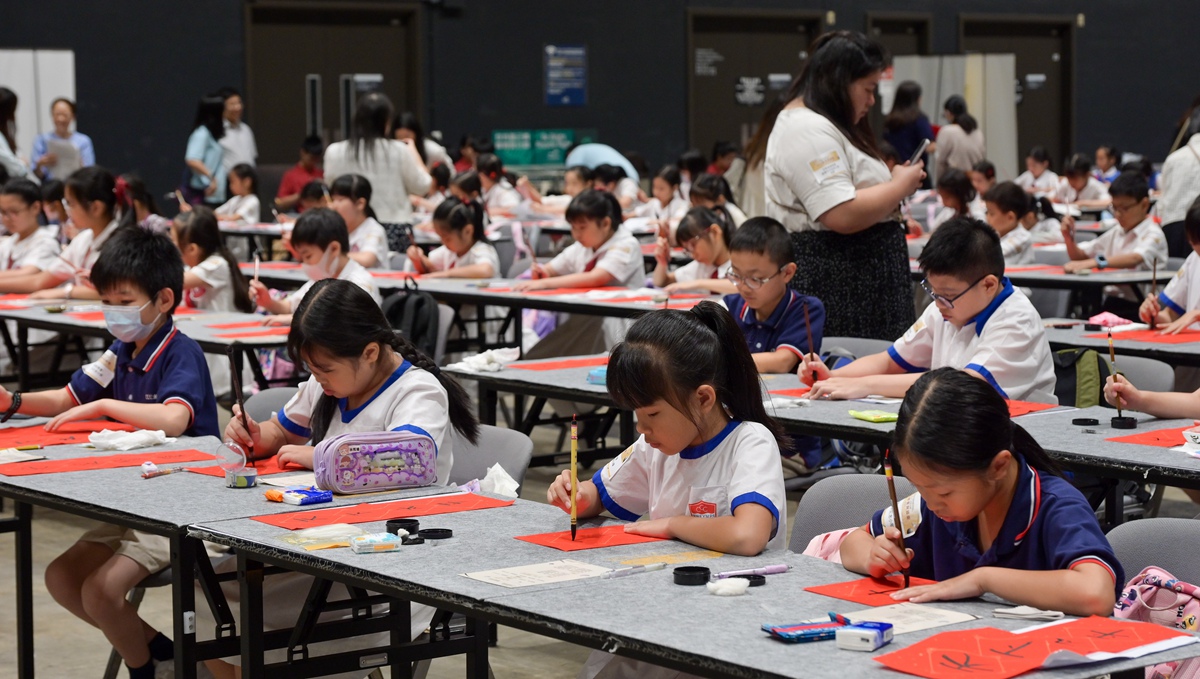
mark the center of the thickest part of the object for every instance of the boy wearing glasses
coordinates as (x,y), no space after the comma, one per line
(770,314)
(978,322)
(1006,203)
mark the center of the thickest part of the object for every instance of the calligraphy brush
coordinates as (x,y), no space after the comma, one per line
(1154,291)
(1112,356)
(812,349)
(236,383)
(574,476)
(887,470)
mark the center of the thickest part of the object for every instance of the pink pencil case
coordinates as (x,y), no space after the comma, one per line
(370,461)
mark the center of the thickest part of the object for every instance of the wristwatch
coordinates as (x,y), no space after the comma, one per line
(1101,261)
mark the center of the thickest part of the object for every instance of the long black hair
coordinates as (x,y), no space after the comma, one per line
(130,189)
(906,107)
(457,216)
(956,106)
(668,354)
(8,117)
(697,220)
(837,59)
(595,205)
(407,120)
(954,421)
(340,318)
(711,187)
(958,184)
(199,227)
(210,113)
(354,187)
(94,183)
(371,120)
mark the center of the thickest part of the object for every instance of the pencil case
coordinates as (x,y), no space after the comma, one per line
(876,416)
(364,462)
(598,375)
(374,542)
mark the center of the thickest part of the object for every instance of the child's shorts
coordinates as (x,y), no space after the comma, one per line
(152,552)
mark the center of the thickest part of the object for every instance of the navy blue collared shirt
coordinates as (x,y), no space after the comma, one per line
(170,369)
(784,328)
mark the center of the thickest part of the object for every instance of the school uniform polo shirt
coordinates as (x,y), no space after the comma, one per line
(620,255)
(170,369)
(1017,246)
(784,328)
(696,271)
(1182,294)
(1094,189)
(739,465)
(1005,343)
(1145,239)
(1049,526)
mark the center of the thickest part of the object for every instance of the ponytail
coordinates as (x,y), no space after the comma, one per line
(354,187)
(595,205)
(199,227)
(457,216)
(697,220)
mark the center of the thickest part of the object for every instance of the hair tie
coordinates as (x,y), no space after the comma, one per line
(121,191)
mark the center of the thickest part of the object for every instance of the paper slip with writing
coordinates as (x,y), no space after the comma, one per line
(547,573)
(906,617)
(290,480)
(13,455)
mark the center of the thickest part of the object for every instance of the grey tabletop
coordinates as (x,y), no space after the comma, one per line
(1187,353)
(196,325)
(1052,276)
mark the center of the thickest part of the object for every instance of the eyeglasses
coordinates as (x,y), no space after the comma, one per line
(750,283)
(1122,209)
(943,300)
(9,214)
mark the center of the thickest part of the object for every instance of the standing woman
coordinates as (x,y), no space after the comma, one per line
(205,180)
(959,142)
(827,184)
(748,190)
(907,126)
(62,112)
(8,135)
(394,168)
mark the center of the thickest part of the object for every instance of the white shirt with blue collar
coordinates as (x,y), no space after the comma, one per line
(1005,343)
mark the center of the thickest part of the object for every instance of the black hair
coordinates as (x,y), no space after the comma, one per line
(692,162)
(906,106)
(986,168)
(91,184)
(482,145)
(764,236)
(608,174)
(1191,222)
(956,106)
(354,187)
(8,117)
(467,181)
(1008,197)
(958,184)
(371,120)
(319,227)
(668,354)
(888,152)
(585,173)
(228,91)
(440,172)
(1039,154)
(595,205)
(1111,151)
(341,319)
(951,420)
(210,112)
(756,147)
(53,190)
(837,59)
(147,260)
(63,100)
(711,187)
(23,188)
(199,227)
(457,215)
(489,165)
(1078,165)
(1042,206)
(313,145)
(723,148)
(697,220)
(964,248)
(407,120)
(245,171)
(1130,185)
(1142,166)
(131,189)
(314,190)
(670,175)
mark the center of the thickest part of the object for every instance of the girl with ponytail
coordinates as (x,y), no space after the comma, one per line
(991,515)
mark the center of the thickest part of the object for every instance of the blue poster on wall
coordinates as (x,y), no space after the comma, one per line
(566,75)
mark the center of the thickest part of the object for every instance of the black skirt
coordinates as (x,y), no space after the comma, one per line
(863,279)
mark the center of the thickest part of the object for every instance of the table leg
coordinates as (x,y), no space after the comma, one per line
(183,594)
(488,398)
(23,355)
(24,570)
(477,658)
(400,614)
(1114,504)
(250,578)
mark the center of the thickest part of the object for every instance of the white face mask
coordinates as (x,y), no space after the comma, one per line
(321,270)
(125,322)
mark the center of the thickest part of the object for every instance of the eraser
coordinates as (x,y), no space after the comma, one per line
(374,542)
(864,636)
(1085,422)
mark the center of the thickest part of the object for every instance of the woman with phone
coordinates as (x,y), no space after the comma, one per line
(825,181)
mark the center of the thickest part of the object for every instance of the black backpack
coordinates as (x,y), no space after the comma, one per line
(1079,377)
(415,314)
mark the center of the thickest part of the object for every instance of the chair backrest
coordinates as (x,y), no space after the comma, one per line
(518,267)
(1169,544)
(1175,263)
(397,261)
(859,346)
(1147,373)
(508,447)
(261,406)
(269,179)
(1050,303)
(445,320)
(840,502)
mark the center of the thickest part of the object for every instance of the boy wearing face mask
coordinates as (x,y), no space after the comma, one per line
(321,241)
(152,377)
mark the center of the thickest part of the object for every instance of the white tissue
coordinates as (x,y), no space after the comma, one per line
(498,482)
(785,402)
(1027,613)
(128,440)
(728,586)
(489,361)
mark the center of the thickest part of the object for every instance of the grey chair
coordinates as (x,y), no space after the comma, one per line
(1050,256)
(261,406)
(859,346)
(842,502)
(445,321)
(1147,373)
(1174,263)
(510,448)
(159,579)
(1166,543)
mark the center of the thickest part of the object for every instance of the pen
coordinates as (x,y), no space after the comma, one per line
(811,349)
(1154,291)
(161,472)
(765,570)
(887,470)
(1112,355)
(256,261)
(633,570)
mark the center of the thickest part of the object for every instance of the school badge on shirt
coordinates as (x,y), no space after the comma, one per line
(102,371)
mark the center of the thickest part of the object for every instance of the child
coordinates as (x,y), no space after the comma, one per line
(977,322)
(576,179)
(1006,203)
(152,377)
(53,195)
(712,191)
(1178,304)
(956,191)
(137,205)
(603,254)
(243,207)
(1037,177)
(351,198)
(769,313)
(1107,162)
(92,207)
(300,174)
(27,249)
(467,187)
(1041,221)
(612,178)
(439,189)
(983,178)
(667,205)
(465,251)
(1079,187)
(723,155)
(705,235)
(321,243)
(315,194)
(691,164)
(365,378)
(991,516)
(498,193)
(1136,245)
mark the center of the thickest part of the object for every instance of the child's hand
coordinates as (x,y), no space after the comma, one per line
(1068,228)
(662,253)
(1149,310)
(965,586)
(676,288)
(301,456)
(1180,324)
(886,555)
(185,206)
(1078,265)
(277,319)
(417,257)
(48,293)
(86,411)
(655,528)
(1120,388)
(559,494)
(664,229)
(248,439)
(260,294)
(841,388)
(812,363)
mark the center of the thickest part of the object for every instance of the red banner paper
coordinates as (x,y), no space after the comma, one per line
(68,433)
(589,362)
(1151,336)
(869,591)
(278,266)
(83,464)
(588,538)
(1162,438)
(394,274)
(382,511)
(1019,408)
(98,316)
(236,326)
(264,467)
(799,392)
(276,331)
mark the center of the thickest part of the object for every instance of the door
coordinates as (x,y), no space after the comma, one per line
(738,62)
(902,34)
(1044,52)
(288,44)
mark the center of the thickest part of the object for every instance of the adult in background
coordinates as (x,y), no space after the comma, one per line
(960,141)
(407,126)
(10,164)
(746,175)
(906,126)
(44,160)
(238,141)
(826,183)
(205,178)
(1180,184)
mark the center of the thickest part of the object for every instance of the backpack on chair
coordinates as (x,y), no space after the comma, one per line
(1079,377)
(1156,596)
(415,314)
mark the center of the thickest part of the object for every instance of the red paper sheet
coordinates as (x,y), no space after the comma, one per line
(569,291)
(236,326)
(1151,336)
(278,266)
(12,307)
(567,363)
(69,433)
(394,274)
(278,331)
(1162,438)
(382,511)
(9,297)
(93,316)
(1019,408)
(1032,268)
(792,393)
(869,591)
(650,298)
(82,464)
(588,538)
(265,468)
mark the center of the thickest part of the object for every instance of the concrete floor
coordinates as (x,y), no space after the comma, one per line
(68,647)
